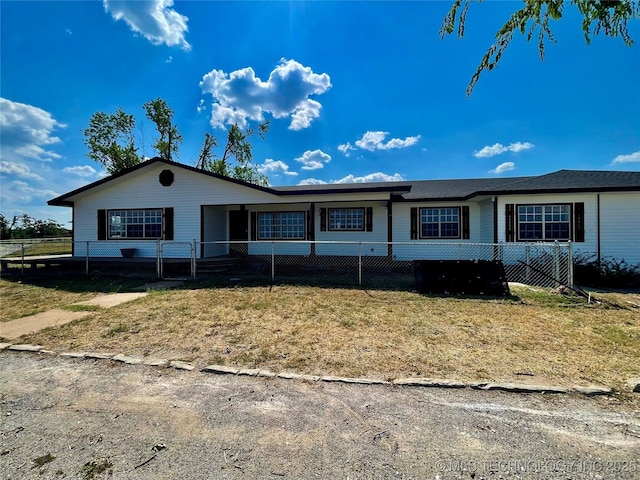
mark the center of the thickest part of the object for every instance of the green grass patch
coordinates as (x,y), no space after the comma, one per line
(44,248)
(120,328)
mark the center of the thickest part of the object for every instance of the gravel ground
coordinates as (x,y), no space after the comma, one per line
(65,418)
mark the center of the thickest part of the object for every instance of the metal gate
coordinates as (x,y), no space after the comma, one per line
(176,261)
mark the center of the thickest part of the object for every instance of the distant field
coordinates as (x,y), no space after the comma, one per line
(58,247)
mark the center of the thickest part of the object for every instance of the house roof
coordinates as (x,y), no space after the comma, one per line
(415,189)
(574,181)
(64,200)
(562,181)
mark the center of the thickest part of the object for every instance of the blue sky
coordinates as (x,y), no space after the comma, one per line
(355,91)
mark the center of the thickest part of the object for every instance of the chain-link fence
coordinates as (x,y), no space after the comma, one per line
(369,264)
(35,246)
(384,264)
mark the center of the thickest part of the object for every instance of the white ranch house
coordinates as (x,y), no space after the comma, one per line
(598,211)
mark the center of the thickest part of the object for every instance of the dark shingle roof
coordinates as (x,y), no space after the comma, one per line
(575,181)
(414,189)
(562,181)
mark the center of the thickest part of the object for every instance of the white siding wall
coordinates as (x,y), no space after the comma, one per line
(378,234)
(430,248)
(283,247)
(485,233)
(216,228)
(620,226)
(141,189)
(590,214)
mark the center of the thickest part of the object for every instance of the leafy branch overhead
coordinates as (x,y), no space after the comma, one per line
(111,142)
(239,148)
(609,17)
(162,116)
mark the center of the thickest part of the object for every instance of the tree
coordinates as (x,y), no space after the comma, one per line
(6,226)
(110,140)
(609,17)
(162,115)
(30,228)
(239,148)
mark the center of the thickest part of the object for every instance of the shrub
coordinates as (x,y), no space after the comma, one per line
(606,272)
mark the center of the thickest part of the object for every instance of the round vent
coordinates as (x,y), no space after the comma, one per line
(166,178)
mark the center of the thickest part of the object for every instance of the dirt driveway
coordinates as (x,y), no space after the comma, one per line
(64,418)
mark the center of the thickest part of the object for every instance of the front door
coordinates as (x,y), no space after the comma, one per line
(238,231)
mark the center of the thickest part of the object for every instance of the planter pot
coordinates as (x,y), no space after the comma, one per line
(128,252)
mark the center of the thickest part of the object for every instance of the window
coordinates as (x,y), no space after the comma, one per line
(440,222)
(544,222)
(281,226)
(145,224)
(346,219)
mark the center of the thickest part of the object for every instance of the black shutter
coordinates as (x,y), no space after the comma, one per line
(414,223)
(578,222)
(254,226)
(323,219)
(369,219)
(466,234)
(102,224)
(510,227)
(168,223)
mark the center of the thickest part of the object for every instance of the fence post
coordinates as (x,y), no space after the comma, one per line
(86,260)
(359,263)
(556,261)
(273,262)
(570,279)
(158,261)
(22,259)
(193,260)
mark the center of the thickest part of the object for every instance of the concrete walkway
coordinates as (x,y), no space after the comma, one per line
(58,316)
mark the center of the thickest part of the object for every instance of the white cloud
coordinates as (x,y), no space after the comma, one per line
(498,148)
(632,157)
(312,181)
(313,160)
(375,141)
(22,192)
(346,148)
(201,106)
(503,167)
(370,178)
(81,171)
(26,131)
(169,60)
(19,170)
(155,20)
(240,95)
(275,167)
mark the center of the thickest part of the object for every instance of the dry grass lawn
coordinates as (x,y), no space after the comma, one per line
(532,337)
(19,299)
